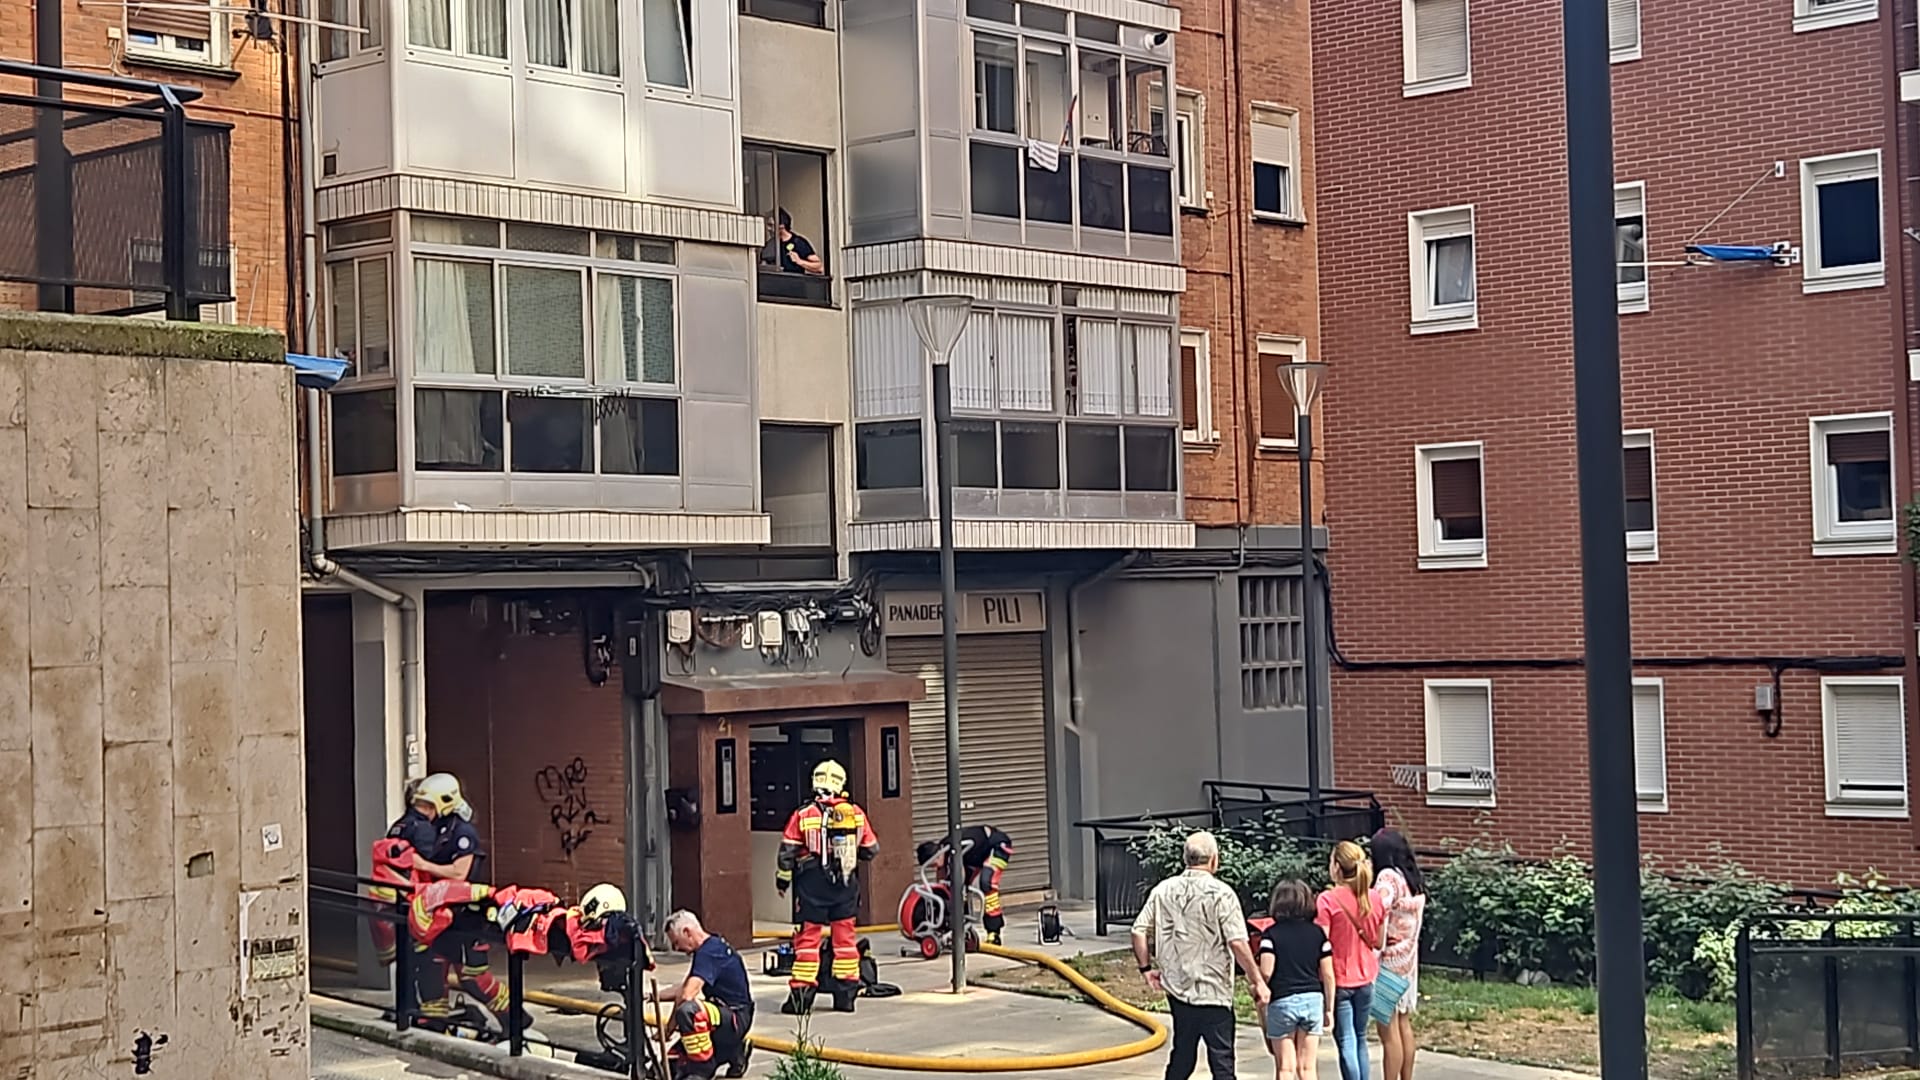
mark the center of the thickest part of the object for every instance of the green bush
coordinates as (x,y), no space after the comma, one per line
(1489,909)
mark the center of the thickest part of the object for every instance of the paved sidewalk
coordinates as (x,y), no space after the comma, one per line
(926,1020)
(343,1057)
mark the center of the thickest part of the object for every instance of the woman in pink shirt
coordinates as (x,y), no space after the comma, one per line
(1351,913)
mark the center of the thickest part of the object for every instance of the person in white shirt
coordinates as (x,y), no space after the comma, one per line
(1189,935)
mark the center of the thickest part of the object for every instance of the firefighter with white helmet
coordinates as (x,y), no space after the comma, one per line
(454,961)
(601,900)
(820,854)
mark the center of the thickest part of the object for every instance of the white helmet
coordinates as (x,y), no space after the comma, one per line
(442,792)
(601,900)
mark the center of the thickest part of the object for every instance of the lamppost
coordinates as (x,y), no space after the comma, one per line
(939,320)
(1302,380)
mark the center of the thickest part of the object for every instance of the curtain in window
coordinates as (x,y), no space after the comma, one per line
(1450,262)
(620,438)
(448,428)
(1098,351)
(429,24)
(452,317)
(1152,388)
(664,35)
(545,323)
(600,36)
(1024,350)
(547,32)
(633,328)
(972,360)
(375,357)
(487,27)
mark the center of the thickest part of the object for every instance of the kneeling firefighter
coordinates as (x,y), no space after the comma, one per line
(826,841)
(985,852)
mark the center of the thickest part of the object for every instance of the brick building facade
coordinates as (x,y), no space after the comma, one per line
(1250,271)
(1762,401)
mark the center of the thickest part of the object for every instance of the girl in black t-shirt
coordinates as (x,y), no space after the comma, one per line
(1297,961)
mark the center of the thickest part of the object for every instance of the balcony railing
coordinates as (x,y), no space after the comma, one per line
(114,209)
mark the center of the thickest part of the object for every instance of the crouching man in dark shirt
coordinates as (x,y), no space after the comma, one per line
(713,1005)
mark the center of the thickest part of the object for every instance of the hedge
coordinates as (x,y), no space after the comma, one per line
(1494,911)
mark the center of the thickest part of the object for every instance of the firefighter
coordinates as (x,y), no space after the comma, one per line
(454,961)
(713,1005)
(820,854)
(985,852)
(400,858)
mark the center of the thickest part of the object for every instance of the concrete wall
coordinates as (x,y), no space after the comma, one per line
(150,749)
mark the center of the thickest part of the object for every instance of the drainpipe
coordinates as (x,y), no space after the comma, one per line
(309,250)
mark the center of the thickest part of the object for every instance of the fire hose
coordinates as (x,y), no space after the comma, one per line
(1156,1034)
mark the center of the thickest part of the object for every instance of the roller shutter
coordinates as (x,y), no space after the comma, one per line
(1003,743)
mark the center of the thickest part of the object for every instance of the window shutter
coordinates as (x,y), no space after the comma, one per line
(1456,488)
(1856,447)
(1869,743)
(1273,137)
(1638,473)
(1190,387)
(1276,407)
(171,20)
(1462,728)
(1649,743)
(1439,39)
(1623,25)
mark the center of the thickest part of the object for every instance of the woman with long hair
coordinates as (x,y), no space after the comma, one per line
(1297,963)
(1403,896)
(1351,913)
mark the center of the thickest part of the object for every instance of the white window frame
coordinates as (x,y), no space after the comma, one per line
(1819,15)
(217,56)
(1839,804)
(1643,545)
(1435,553)
(1622,54)
(1291,212)
(1189,122)
(1423,228)
(1203,432)
(1630,200)
(1410,86)
(1832,536)
(358,260)
(1292,350)
(1649,802)
(1443,790)
(1854,165)
(459,41)
(370,41)
(576,42)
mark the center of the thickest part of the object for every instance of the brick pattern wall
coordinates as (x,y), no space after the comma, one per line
(1726,369)
(1245,278)
(502,710)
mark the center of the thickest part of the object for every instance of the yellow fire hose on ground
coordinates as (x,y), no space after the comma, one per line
(1156,1037)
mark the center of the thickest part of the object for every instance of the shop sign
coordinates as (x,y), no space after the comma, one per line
(1017,611)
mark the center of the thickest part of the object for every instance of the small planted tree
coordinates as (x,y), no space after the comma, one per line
(805,1062)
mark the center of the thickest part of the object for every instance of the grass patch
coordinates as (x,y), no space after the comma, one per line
(1551,1026)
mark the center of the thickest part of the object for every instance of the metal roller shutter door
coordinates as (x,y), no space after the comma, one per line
(1003,743)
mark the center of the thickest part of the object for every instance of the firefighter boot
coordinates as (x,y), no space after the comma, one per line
(799,1001)
(844,994)
(738,1066)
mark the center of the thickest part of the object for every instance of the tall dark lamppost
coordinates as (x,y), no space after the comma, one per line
(1620,964)
(1302,380)
(939,320)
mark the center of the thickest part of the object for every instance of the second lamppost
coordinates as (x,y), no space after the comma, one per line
(1302,380)
(939,320)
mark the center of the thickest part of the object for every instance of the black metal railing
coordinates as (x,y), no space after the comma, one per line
(112,209)
(1121,879)
(1820,993)
(624,1046)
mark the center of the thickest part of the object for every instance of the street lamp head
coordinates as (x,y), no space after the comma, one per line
(939,320)
(1302,381)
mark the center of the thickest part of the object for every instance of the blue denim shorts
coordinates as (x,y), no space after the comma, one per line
(1296,1012)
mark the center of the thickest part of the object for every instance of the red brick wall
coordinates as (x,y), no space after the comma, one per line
(1726,369)
(1244,277)
(500,709)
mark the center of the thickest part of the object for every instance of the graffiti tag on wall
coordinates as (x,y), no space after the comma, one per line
(564,791)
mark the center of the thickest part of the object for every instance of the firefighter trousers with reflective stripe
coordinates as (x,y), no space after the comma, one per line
(806,953)
(458,966)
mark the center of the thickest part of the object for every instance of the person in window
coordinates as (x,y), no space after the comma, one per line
(796,252)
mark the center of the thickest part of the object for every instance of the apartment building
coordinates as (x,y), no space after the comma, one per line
(1765,394)
(240,67)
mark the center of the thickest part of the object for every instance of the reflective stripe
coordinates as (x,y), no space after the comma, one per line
(996,862)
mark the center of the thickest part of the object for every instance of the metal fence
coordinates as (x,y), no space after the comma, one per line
(339,903)
(114,209)
(1824,994)
(1121,880)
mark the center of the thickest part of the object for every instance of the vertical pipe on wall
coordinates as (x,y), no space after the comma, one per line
(1900,28)
(1620,967)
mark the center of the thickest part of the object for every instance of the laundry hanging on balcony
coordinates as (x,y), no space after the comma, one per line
(1043,155)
